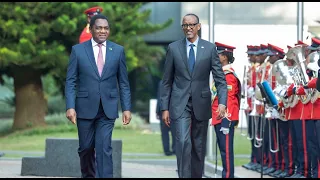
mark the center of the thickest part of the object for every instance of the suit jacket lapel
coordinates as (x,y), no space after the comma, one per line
(183,51)
(200,51)
(89,50)
(108,57)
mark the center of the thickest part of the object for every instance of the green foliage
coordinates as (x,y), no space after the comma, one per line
(59,123)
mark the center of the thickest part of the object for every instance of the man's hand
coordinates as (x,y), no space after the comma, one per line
(126,117)
(72,115)
(221,111)
(165,117)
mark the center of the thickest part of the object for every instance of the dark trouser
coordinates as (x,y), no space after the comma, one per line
(251,134)
(317,170)
(263,130)
(191,140)
(95,146)
(225,143)
(312,147)
(301,141)
(257,150)
(265,143)
(286,146)
(165,136)
(274,157)
(293,135)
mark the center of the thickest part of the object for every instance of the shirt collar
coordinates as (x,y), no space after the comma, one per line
(228,66)
(95,43)
(195,42)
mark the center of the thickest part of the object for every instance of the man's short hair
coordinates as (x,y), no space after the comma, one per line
(191,14)
(95,17)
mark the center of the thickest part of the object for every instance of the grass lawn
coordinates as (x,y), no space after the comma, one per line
(134,141)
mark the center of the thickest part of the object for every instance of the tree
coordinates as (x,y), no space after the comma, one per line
(36,38)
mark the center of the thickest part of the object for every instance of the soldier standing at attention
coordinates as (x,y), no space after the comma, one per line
(224,127)
(86,35)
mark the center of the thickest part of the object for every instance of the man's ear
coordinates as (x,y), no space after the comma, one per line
(199,27)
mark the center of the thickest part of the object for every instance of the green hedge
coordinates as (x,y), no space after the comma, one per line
(59,123)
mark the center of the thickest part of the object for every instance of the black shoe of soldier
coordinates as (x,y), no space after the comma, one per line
(295,175)
(275,173)
(253,166)
(248,166)
(283,175)
(1,154)
(258,166)
(269,170)
(263,169)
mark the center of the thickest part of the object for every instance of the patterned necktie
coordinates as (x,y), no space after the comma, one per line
(192,58)
(100,62)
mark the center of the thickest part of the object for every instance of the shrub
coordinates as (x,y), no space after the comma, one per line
(59,123)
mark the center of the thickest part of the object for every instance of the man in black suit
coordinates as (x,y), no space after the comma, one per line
(186,95)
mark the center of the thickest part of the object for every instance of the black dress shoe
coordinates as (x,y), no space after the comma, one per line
(275,173)
(258,166)
(248,166)
(168,153)
(269,170)
(1,154)
(283,175)
(254,167)
(295,175)
(264,169)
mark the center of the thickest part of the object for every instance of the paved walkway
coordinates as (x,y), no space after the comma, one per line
(12,169)
(130,169)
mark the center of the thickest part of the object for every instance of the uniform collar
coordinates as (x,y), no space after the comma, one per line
(226,67)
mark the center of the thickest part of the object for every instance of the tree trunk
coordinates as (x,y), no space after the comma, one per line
(31,106)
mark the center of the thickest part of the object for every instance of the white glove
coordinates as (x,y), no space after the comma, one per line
(250,92)
(274,113)
(224,130)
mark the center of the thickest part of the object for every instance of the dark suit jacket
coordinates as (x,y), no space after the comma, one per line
(179,84)
(158,108)
(84,86)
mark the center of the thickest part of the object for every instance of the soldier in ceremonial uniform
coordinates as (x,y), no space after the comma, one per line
(286,143)
(277,160)
(259,65)
(224,128)
(311,116)
(251,51)
(296,130)
(263,53)
(85,34)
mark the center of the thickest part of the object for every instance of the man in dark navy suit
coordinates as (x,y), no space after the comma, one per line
(96,75)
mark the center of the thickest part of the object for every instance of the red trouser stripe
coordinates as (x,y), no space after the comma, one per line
(305,155)
(290,154)
(275,147)
(227,156)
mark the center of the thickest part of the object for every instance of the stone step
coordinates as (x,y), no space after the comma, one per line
(62,160)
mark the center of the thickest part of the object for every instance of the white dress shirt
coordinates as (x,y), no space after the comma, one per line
(95,48)
(194,48)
